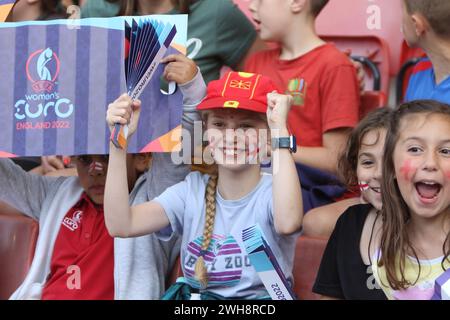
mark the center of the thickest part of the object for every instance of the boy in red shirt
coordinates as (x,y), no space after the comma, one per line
(78,261)
(321,79)
(323,82)
(83,246)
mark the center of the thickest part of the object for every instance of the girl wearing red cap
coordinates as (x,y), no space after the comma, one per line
(210,211)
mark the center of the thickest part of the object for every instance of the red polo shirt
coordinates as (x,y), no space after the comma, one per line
(82,264)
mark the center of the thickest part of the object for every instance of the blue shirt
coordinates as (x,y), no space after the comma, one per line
(422,84)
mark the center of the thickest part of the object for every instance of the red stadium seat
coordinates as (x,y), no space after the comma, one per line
(18,236)
(367,47)
(381,18)
(409,53)
(371,100)
(175,273)
(308,255)
(6,209)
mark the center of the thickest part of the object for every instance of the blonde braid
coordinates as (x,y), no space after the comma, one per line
(201,273)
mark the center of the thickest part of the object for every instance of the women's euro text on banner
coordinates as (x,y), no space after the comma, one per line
(61,75)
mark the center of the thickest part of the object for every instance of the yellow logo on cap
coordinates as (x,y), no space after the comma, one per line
(231,104)
(239,84)
(246,74)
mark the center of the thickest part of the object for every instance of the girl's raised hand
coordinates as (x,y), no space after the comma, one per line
(278,106)
(124,111)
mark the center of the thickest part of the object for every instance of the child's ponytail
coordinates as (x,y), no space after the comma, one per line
(210,196)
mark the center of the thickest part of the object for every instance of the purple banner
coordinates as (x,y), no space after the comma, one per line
(55,86)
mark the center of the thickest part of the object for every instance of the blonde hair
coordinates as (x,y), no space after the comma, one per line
(201,273)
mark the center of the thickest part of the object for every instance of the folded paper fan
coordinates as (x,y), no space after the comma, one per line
(146,43)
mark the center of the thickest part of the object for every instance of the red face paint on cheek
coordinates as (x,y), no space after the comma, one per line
(447,175)
(363,186)
(213,141)
(406,170)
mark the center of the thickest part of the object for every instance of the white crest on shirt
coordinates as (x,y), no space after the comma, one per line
(73,223)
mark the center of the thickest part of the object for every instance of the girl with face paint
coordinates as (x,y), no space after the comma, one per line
(360,169)
(344,269)
(210,212)
(414,247)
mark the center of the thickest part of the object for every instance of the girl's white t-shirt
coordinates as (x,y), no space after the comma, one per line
(229,269)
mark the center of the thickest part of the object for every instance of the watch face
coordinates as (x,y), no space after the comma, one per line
(285,143)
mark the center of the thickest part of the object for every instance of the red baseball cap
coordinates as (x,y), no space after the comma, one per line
(238,90)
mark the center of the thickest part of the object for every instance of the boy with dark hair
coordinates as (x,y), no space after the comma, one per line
(425,24)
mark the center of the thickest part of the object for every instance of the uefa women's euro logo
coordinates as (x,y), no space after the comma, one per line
(43,68)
